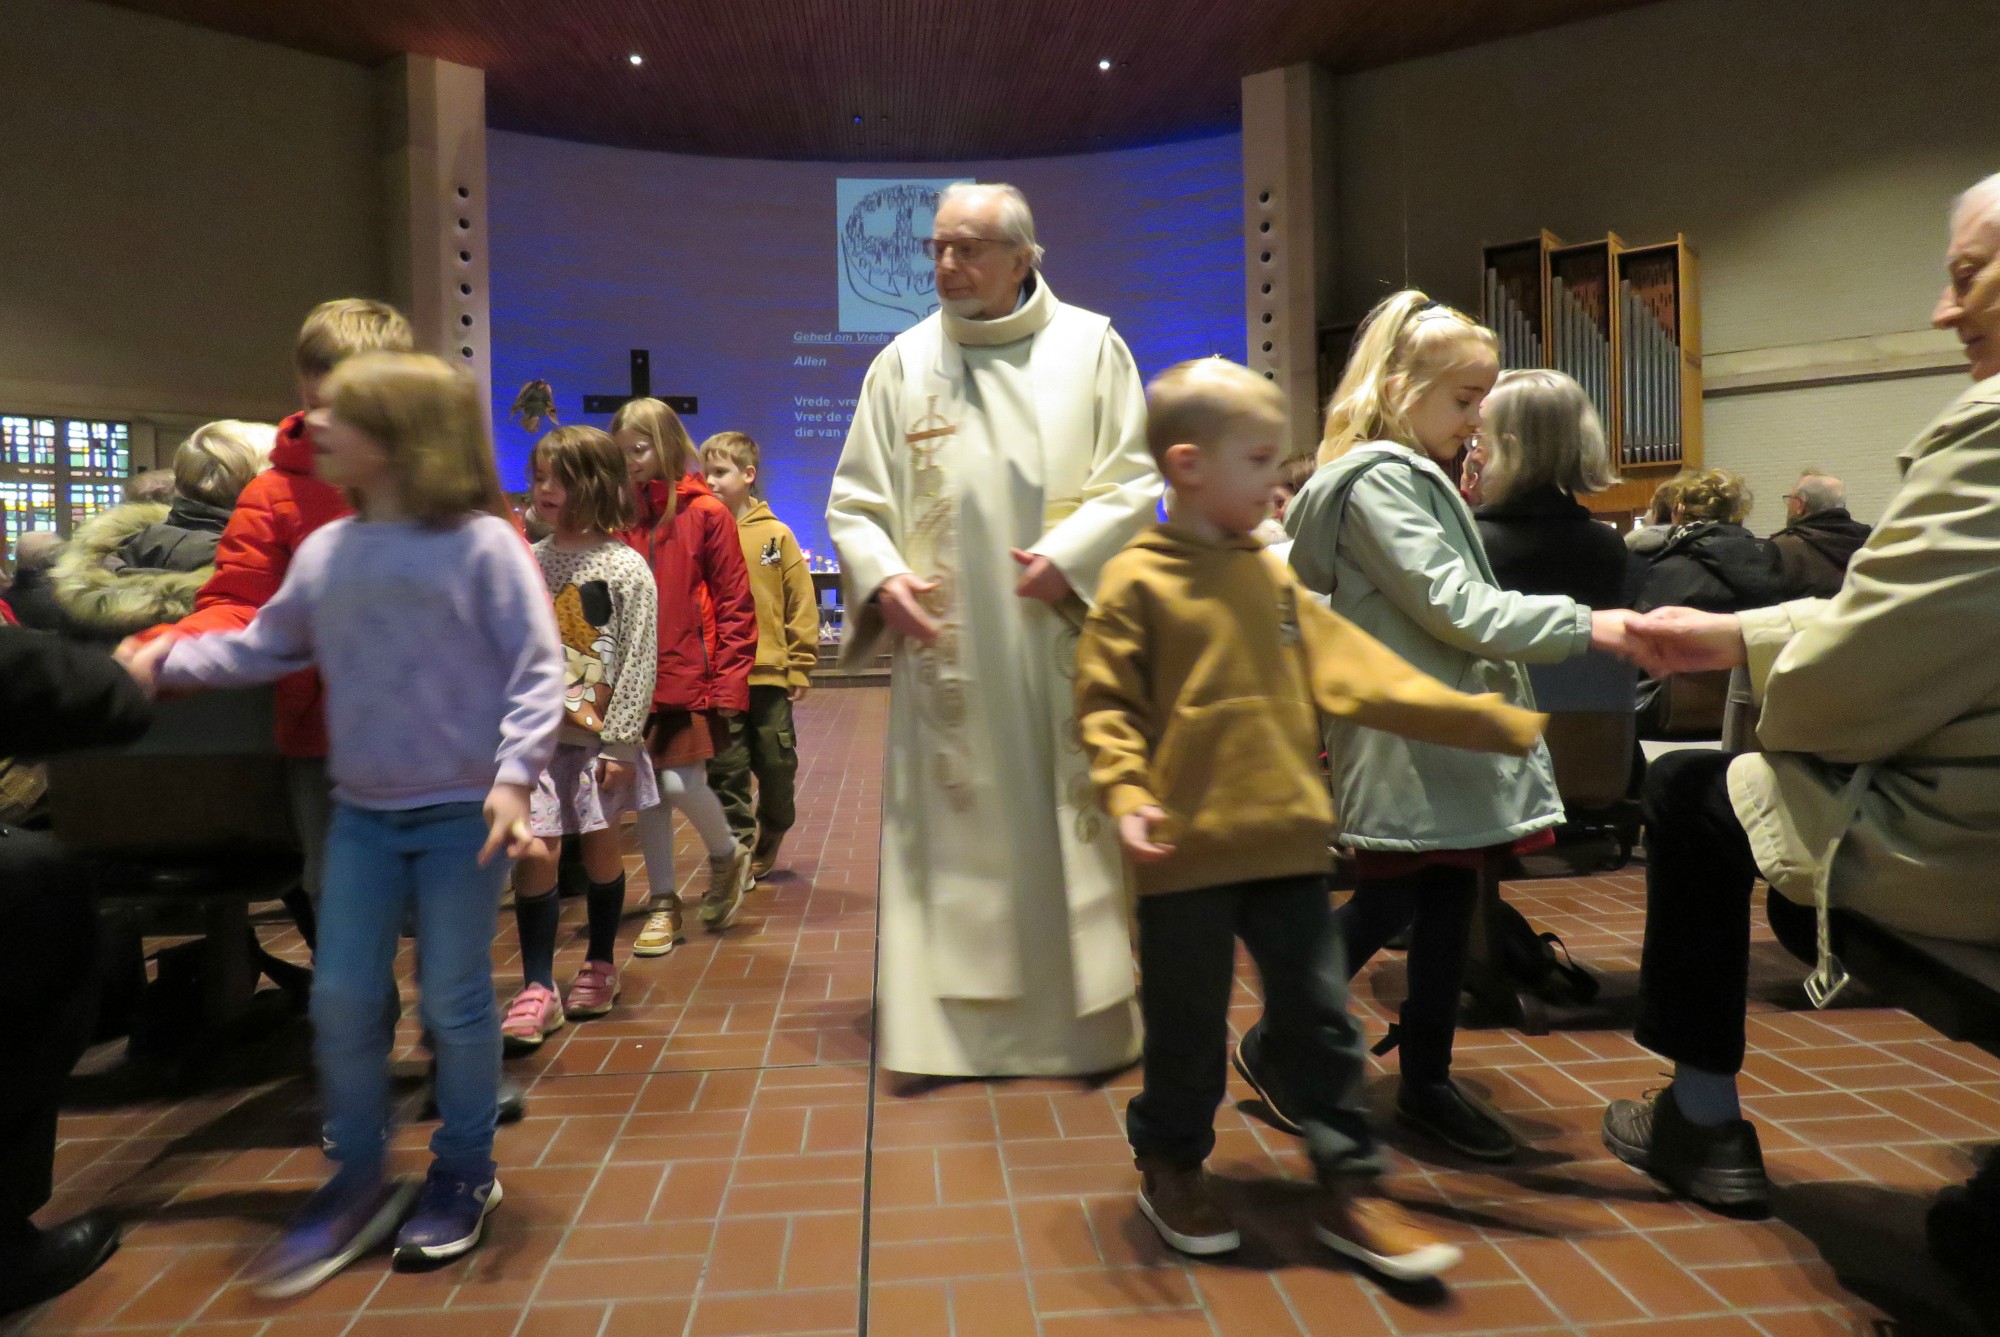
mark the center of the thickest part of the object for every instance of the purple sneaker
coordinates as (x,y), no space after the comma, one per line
(451,1213)
(343,1219)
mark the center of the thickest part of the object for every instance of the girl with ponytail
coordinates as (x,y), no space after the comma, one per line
(1381,530)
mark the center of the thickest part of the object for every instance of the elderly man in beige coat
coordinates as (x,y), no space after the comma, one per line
(1878,788)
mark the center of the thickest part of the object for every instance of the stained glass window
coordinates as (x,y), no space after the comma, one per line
(55,472)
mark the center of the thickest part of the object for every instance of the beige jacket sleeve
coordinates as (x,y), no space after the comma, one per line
(1355,677)
(1113,707)
(801,613)
(1912,641)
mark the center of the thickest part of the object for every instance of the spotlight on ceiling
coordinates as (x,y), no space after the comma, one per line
(1103,64)
(636,58)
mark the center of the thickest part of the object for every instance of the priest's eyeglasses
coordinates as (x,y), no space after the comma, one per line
(969,250)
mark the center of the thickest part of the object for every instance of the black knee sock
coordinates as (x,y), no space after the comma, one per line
(537,918)
(606,902)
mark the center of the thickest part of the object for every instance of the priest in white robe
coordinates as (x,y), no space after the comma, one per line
(996,461)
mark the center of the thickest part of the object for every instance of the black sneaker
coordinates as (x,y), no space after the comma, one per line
(1440,1110)
(1720,1167)
(1246,1057)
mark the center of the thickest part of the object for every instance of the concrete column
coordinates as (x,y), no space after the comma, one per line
(433,116)
(1289,230)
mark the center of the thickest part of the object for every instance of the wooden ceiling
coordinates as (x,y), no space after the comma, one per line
(887,80)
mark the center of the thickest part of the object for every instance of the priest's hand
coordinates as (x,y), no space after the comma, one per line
(902,602)
(1685,640)
(1135,833)
(1041,579)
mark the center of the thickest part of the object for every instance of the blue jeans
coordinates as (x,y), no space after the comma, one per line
(380,867)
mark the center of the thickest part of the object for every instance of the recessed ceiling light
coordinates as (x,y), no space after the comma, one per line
(636,58)
(1103,64)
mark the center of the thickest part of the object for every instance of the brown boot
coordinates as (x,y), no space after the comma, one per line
(1353,1219)
(764,855)
(1177,1201)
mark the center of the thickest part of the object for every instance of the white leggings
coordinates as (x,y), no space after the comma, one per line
(686,788)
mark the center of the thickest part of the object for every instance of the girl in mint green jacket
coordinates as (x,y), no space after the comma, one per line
(1381,529)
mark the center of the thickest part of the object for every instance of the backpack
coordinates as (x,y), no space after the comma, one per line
(1530,960)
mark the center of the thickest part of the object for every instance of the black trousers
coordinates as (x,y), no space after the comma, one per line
(1694,971)
(48,983)
(1307,1040)
(762,743)
(1436,905)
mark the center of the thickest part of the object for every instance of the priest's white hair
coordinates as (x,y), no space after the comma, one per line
(1017,220)
(1983,195)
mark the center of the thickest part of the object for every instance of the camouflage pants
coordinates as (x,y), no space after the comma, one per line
(763,744)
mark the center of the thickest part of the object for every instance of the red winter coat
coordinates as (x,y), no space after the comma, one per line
(696,556)
(274,515)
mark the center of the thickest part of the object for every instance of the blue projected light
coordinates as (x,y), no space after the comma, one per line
(886,281)
(722,267)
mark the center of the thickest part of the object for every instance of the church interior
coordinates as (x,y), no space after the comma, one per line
(1721,219)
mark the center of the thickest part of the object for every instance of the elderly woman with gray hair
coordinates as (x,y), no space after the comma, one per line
(1878,790)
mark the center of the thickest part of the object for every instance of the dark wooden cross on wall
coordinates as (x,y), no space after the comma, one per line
(642,388)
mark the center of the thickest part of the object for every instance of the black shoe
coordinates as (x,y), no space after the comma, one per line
(1442,1111)
(1720,1167)
(1246,1058)
(513,1099)
(58,1259)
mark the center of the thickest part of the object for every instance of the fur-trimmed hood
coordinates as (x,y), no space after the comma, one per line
(107,597)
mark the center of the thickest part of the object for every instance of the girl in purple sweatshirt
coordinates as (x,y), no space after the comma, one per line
(426,617)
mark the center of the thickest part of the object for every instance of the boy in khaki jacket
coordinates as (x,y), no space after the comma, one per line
(1201,676)
(764,742)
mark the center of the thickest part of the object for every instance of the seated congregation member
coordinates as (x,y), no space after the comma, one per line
(1382,529)
(142,563)
(154,485)
(32,594)
(1711,561)
(53,696)
(434,634)
(1878,790)
(1543,446)
(1648,538)
(1819,539)
(1198,675)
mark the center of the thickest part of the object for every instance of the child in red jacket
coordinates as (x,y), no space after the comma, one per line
(688,538)
(274,514)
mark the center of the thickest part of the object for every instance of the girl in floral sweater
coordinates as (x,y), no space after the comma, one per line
(605,613)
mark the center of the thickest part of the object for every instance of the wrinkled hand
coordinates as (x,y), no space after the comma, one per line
(1685,640)
(143,662)
(506,823)
(1041,578)
(901,599)
(613,775)
(1135,833)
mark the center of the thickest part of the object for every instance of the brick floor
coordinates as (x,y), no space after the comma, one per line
(717,1158)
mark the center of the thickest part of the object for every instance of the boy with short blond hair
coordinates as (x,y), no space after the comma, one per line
(1201,675)
(764,743)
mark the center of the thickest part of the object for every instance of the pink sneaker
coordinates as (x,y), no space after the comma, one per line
(534,1015)
(593,991)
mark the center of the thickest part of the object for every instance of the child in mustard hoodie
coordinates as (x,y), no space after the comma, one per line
(1201,675)
(764,743)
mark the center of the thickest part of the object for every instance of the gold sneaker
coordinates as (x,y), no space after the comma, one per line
(1358,1222)
(764,857)
(663,928)
(728,881)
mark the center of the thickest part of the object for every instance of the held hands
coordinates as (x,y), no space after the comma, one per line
(1683,640)
(1040,578)
(901,600)
(506,823)
(143,661)
(1135,833)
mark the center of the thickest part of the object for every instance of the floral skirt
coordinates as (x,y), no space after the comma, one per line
(568,801)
